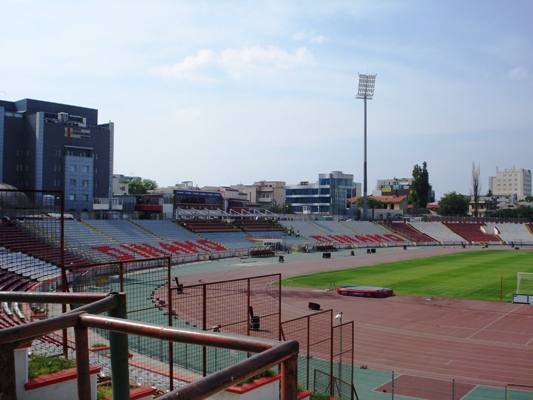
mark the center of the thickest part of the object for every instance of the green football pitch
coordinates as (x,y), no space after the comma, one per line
(479,275)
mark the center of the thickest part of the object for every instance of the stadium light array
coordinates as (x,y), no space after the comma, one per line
(365,92)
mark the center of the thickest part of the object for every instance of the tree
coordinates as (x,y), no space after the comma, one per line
(372,203)
(420,188)
(454,204)
(149,184)
(519,212)
(136,187)
(476,188)
(528,199)
(140,187)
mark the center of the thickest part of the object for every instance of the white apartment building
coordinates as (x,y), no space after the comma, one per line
(513,181)
(264,192)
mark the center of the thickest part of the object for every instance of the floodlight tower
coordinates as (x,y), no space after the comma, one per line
(365,92)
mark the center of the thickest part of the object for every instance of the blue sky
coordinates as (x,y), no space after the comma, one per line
(228,92)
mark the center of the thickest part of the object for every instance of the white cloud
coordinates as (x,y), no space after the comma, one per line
(237,63)
(518,73)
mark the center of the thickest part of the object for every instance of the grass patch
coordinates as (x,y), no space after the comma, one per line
(39,365)
(106,391)
(470,275)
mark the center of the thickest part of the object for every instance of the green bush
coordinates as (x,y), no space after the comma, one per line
(263,374)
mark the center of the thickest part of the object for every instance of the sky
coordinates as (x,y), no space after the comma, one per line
(234,92)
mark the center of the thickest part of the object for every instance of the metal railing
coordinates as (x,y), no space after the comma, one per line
(269,352)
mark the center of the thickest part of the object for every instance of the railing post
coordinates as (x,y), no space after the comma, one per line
(289,378)
(119,354)
(82,362)
(8,383)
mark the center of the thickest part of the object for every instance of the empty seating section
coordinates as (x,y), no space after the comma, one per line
(437,231)
(207,225)
(27,266)
(21,240)
(78,233)
(265,234)
(32,246)
(334,227)
(511,233)
(364,227)
(301,228)
(472,232)
(166,230)
(79,238)
(408,232)
(234,240)
(294,240)
(122,231)
(256,225)
(11,314)
(344,233)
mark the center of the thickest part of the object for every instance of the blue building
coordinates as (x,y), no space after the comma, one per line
(329,195)
(56,147)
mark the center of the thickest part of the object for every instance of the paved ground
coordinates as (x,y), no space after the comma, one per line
(473,342)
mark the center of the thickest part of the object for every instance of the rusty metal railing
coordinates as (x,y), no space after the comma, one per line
(269,352)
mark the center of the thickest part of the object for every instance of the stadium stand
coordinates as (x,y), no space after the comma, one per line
(19,240)
(511,233)
(166,230)
(333,227)
(206,225)
(21,264)
(123,240)
(301,228)
(249,225)
(409,232)
(472,232)
(122,231)
(371,233)
(437,231)
(365,227)
(342,233)
(234,239)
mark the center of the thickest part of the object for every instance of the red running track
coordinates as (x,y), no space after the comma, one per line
(478,342)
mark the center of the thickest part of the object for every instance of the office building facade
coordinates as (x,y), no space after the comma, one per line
(329,195)
(56,147)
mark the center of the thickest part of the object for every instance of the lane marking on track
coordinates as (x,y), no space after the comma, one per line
(496,320)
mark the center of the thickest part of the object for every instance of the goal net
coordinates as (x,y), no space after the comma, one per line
(524,283)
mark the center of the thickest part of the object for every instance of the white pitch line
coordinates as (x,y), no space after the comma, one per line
(493,322)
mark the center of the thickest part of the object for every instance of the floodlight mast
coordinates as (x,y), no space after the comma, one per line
(365,92)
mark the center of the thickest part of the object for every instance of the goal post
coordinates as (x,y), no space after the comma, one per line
(524,283)
(524,288)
